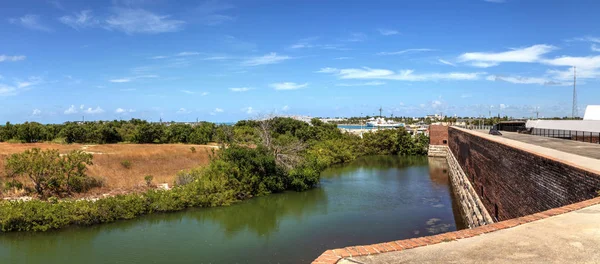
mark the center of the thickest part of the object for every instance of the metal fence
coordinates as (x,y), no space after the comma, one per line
(583,136)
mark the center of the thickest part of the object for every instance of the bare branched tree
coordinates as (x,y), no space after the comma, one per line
(287,154)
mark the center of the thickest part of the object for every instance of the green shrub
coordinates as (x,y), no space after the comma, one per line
(148,179)
(126,164)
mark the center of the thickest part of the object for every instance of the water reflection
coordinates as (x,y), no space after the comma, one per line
(374,199)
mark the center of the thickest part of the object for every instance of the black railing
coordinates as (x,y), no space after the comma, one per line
(583,136)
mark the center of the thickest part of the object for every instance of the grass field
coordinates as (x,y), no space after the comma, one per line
(161,161)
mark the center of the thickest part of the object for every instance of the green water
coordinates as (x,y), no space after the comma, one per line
(374,199)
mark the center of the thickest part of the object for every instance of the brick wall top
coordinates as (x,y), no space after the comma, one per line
(580,162)
(438,135)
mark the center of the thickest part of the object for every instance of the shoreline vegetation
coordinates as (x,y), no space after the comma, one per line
(255,158)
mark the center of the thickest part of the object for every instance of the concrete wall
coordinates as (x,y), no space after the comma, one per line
(438,135)
(512,182)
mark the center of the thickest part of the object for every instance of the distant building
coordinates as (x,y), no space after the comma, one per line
(592,112)
(435,117)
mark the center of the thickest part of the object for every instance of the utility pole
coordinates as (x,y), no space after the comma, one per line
(574,111)
(380,111)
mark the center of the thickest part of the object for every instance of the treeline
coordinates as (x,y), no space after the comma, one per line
(103,132)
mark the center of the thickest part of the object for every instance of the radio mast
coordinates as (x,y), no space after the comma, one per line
(574,112)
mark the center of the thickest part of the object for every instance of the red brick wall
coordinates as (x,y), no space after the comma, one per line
(513,183)
(437,135)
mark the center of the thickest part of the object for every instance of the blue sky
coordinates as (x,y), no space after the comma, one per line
(231,60)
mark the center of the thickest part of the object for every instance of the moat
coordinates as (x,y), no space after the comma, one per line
(373,199)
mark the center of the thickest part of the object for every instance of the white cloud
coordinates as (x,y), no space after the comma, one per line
(33,80)
(205,93)
(36,112)
(285,108)
(522,80)
(403,75)
(405,51)
(188,92)
(123,111)
(209,13)
(436,104)
(240,89)
(595,48)
(481,64)
(122,80)
(271,58)
(30,22)
(129,79)
(357,37)
(248,110)
(388,32)
(71,110)
(188,53)
(183,111)
(495,1)
(488,59)
(218,110)
(93,111)
(328,70)
(11,58)
(590,62)
(132,21)
(466,96)
(374,83)
(288,85)
(83,19)
(159,57)
(446,62)
(343,58)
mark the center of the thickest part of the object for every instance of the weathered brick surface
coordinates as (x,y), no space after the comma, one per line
(513,183)
(437,135)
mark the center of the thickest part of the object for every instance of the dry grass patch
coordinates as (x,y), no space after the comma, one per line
(161,161)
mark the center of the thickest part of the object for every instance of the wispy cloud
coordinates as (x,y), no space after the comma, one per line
(188,53)
(405,51)
(33,80)
(595,48)
(183,111)
(271,58)
(288,85)
(388,32)
(495,1)
(94,111)
(249,110)
(211,13)
(446,62)
(36,112)
(343,58)
(11,58)
(374,83)
(489,59)
(328,70)
(357,37)
(132,21)
(403,75)
(72,110)
(83,19)
(31,22)
(240,89)
(205,93)
(217,110)
(122,80)
(188,92)
(130,79)
(123,111)
(522,80)
(285,108)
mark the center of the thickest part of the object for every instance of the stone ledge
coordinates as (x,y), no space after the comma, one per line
(333,256)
